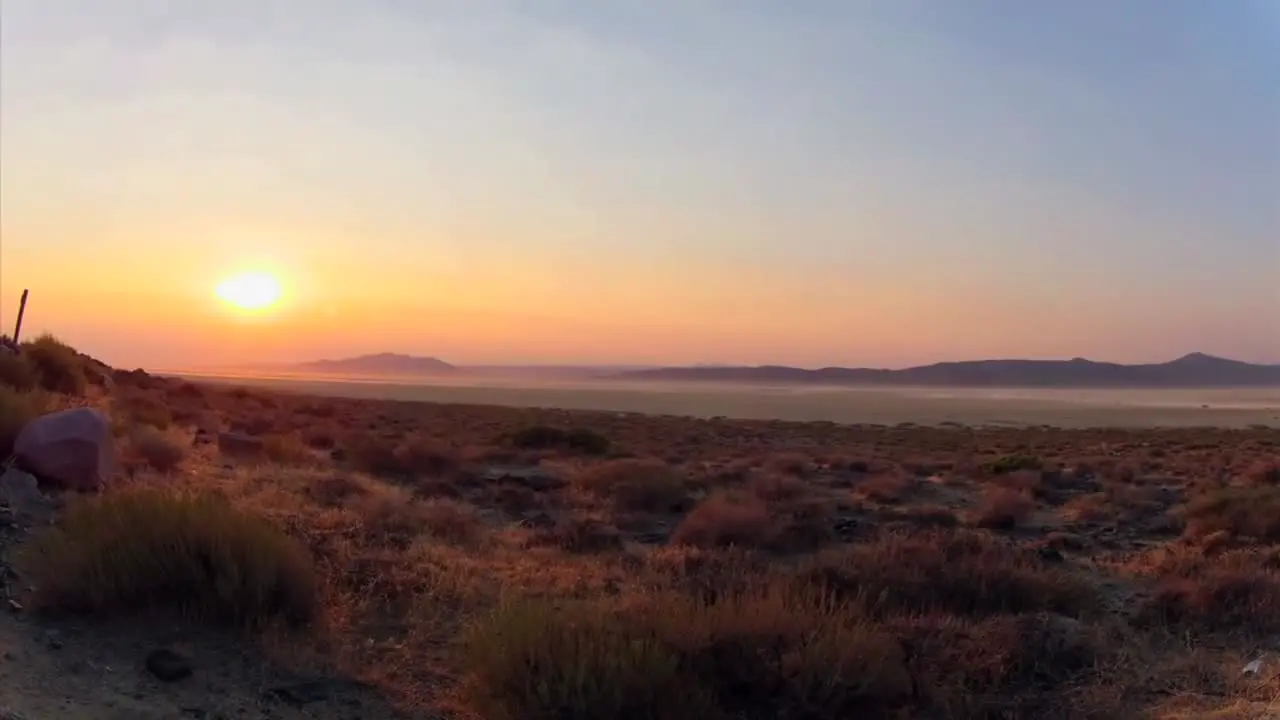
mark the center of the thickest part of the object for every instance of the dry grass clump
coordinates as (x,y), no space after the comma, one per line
(958,572)
(1003,508)
(287,449)
(58,367)
(391,517)
(140,408)
(159,450)
(399,459)
(546,437)
(637,485)
(1238,590)
(1243,512)
(16,372)
(1014,463)
(17,408)
(766,653)
(726,518)
(534,659)
(144,549)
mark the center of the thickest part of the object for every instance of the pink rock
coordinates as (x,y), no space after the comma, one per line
(72,449)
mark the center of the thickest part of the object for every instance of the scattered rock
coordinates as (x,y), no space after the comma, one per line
(20,492)
(168,666)
(73,449)
(240,445)
(534,478)
(307,692)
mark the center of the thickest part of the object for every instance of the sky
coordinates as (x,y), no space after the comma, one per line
(817,182)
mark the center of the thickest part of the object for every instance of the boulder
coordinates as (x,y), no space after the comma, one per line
(71,449)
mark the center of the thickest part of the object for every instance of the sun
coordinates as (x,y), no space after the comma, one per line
(249,291)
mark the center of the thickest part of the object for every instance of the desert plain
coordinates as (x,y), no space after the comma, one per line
(307,550)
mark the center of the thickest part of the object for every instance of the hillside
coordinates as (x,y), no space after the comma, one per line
(1193,370)
(378,364)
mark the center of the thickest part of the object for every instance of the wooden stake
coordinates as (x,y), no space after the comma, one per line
(22,308)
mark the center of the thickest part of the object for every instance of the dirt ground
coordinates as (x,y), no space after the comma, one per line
(423,516)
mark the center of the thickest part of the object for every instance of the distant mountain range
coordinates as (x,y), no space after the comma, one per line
(379,364)
(1194,370)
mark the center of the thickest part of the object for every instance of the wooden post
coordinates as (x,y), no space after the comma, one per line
(22,308)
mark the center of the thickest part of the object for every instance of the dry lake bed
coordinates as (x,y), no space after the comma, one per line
(1233,407)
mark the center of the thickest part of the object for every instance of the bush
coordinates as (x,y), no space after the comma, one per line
(966,573)
(1236,591)
(145,549)
(725,519)
(159,450)
(544,437)
(17,408)
(1014,463)
(766,653)
(531,659)
(1003,508)
(1240,511)
(638,485)
(16,372)
(57,365)
(398,459)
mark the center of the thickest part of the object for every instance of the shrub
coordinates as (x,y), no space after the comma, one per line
(1003,508)
(399,459)
(545,437)
(57,365)
(286,449)
(156,448)
(1014,463)
(1241,511)
(16,372)
(145,549)
(638,485)
(967,573)
(140,408)
(725,519)
(1236,591)
(764,653)
(531,659)
(773,649)
(17,408)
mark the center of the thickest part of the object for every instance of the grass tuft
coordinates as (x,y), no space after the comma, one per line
(57,365)
(17,408)
(145,549)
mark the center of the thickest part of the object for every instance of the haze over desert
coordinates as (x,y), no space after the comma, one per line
(639,360)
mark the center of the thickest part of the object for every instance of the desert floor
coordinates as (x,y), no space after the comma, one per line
(477,561)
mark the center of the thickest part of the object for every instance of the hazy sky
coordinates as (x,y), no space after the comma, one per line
(870,182)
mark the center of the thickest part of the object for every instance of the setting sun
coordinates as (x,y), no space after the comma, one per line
(249,291)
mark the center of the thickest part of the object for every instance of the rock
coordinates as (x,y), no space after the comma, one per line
(168,666)
(305,693)
(240,445)
(71,449)
(20,492)
(533,478)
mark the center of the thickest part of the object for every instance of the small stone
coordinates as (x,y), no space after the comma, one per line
(168,666)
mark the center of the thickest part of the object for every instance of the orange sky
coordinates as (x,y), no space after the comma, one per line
(492,184)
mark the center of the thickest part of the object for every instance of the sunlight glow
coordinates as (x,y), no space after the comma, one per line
(250,291)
